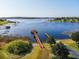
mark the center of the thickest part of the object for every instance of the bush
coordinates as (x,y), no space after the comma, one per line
(61,50)
(75,37)
(50,39)
(19,47)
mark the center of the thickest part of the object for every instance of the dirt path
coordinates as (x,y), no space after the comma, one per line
(44,54)
(39,53)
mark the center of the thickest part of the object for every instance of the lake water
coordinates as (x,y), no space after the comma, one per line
(24,28)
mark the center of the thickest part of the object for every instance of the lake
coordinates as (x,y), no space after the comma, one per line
(25,26)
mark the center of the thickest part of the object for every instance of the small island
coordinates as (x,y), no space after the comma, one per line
(5,21)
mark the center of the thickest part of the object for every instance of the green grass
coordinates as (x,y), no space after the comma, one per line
(70,43)
(3,22)
(37,52)
(3,55)
(74,46)
(34,54)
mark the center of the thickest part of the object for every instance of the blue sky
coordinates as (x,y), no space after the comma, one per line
(39,8)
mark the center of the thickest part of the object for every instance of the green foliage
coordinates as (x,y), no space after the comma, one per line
(50,40)
(2,22)
(75,36)
(65,19)
(19,47)
(61,50)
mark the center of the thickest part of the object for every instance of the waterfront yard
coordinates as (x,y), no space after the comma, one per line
(37,52)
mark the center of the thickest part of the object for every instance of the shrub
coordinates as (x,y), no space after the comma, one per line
(19,47)
(50,39)
(75,37)
(61,50)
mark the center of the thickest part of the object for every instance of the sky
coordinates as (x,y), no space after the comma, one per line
(39,8)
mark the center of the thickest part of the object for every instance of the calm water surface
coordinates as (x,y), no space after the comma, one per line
(25,27)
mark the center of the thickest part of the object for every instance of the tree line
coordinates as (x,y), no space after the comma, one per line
(64,19)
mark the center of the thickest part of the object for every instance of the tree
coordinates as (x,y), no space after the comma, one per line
(60,50)
(75,37)
(50,39)
(19,47)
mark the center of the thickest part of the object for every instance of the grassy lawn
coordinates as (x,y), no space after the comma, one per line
(70,43)
(37,52)
(66,41)
(3,55)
